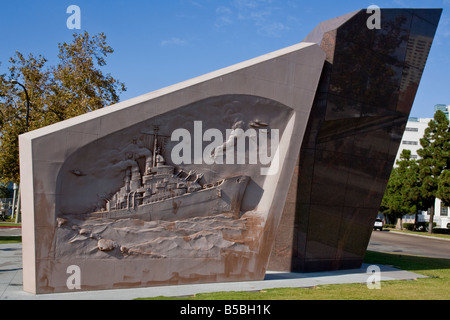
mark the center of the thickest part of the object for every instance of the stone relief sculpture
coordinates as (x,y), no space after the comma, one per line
(162,210)
(190,183)
(164,194)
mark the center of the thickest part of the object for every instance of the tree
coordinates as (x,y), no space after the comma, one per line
(410,190)
(401,196)
(443,191)
(4,191)
(390,205)
(435,158)
(74,86)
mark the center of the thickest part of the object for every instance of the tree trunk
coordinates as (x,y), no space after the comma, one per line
(416,217)
(430,222)
(18,217)
(399,225)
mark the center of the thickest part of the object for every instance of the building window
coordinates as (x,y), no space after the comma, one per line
(412,129)
(414,143)
(444,211)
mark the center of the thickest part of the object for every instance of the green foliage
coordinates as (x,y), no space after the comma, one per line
(434,155)
(408,226)
(443,191)
(435,160)
(414,185)
(421,226)
(401,196)
(74,86)
(441,231)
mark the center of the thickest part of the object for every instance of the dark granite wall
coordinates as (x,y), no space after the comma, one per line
(365,95)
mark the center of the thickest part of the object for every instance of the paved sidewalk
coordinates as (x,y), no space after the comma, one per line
(11,282)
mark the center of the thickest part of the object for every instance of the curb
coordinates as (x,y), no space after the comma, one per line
(419,235)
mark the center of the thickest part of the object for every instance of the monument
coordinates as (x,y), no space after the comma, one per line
(188,184)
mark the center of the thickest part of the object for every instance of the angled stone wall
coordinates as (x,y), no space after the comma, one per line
(143,193)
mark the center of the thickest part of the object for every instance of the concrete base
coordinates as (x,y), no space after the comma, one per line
(11,282)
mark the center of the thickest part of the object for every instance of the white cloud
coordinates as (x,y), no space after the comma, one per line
(223,10)
(443,31)
(224,16)
(174,42)
(274,29)
(260,13)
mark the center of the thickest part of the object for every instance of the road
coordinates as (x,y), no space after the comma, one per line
(385,241)
(8,232)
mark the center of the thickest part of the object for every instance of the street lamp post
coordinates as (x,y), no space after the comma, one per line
(14,81)
(13,211)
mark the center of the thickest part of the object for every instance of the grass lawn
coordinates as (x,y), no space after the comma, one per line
(9,224)
(10,239)
(436,235)
(436,287)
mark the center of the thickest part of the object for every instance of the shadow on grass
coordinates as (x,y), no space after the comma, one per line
(10,239)
(406,262)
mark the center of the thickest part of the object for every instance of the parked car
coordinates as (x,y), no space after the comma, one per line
(378,225)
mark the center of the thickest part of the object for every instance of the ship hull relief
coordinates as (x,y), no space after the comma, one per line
(225,197)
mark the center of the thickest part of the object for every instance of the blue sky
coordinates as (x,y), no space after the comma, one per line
(159,43)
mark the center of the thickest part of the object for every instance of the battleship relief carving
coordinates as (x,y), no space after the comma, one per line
(146,192)
(167,193)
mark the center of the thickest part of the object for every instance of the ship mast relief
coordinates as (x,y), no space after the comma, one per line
(164,192)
